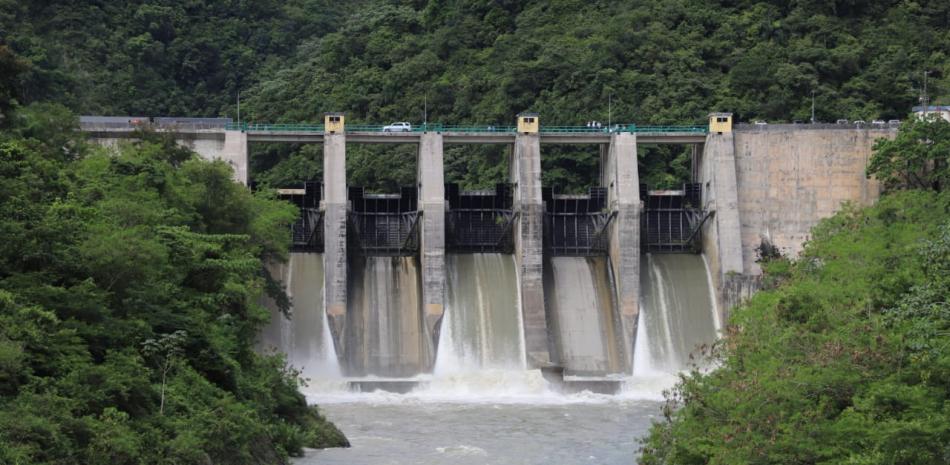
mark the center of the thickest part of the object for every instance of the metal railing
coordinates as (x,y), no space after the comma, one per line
(300,127)
(439,127)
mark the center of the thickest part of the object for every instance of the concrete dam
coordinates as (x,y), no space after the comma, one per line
(388,290)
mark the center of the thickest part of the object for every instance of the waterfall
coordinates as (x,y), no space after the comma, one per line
(385,332)
(677,314)
(581,310)
(482,326)
(304,337)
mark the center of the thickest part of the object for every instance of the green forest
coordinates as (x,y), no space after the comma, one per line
(129,303)
(130,280)
(648,62)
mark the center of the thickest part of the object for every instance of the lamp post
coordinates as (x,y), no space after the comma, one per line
(813,106)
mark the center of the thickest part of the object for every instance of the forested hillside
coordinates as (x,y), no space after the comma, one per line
(844,357)
(656,61)
(129,303)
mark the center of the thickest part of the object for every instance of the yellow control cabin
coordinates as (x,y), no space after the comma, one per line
(528,123)
(720,122)
(333,123)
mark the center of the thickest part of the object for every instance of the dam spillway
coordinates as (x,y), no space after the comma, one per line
(482,325)
(678,314)
(385,335)
(579,294)
(303,334)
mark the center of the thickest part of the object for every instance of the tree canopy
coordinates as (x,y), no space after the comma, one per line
(129,289)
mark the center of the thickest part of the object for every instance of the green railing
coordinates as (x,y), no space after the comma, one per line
(301,127)
(481,129)
(693,129)
(620,128)
(438,127)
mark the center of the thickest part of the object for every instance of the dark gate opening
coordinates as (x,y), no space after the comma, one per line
(479,221)
(307,231)
(383,224)
(576,225)
(672,219)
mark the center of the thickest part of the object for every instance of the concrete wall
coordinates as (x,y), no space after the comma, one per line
(774,183)
(789,178)
(432,237)
(334,235)
(620,175)
(230,146)
(525,165)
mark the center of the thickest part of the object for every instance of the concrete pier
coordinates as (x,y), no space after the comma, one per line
(235,152)
(334,235)
(432,234)
(619,173)
(722,240)
(525,165)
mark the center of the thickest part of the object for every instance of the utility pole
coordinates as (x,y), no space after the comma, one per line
(239,107)
(609,103)
(925,99)
(813,106)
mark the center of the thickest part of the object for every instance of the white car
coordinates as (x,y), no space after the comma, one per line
(398,127)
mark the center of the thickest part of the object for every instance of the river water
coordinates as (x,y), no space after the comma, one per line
(479,405)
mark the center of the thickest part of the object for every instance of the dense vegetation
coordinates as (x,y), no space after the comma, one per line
(844,358)
(656,61)
(129,284)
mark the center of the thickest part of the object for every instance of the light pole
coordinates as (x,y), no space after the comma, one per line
(813,106)
(925,99)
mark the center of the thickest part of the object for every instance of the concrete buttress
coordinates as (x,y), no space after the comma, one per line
(526,174)
(432,240)
(619,173)
(334,235)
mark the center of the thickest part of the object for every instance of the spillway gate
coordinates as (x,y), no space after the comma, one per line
(672,219)
(383,224)
(480,221)
(307,231)
(576,225)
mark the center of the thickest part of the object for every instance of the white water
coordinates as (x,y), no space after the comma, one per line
(304,337)
(480,406)
(385,333)
(678,315)
(481,328)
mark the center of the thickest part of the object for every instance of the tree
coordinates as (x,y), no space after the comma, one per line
(165,352)
(918,158)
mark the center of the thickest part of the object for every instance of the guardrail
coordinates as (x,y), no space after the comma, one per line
(472,129)
(302,127)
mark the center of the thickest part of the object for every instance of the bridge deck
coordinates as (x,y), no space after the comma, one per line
(375,137)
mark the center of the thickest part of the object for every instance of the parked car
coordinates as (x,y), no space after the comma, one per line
(894,122)
(860,122)
(841,121)
(878,122)
(398,127)
(759,123)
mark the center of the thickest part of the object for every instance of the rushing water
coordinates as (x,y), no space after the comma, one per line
(678,317)
(482,327)
(304,337)
(480,406)
(385,333)
(580,299)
